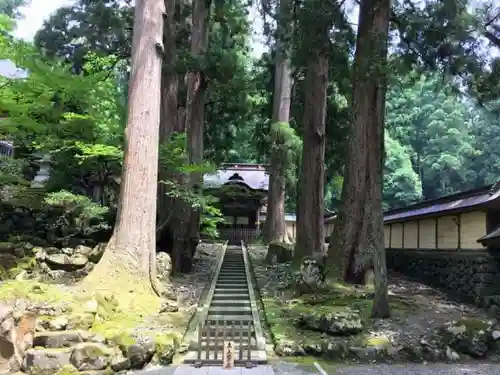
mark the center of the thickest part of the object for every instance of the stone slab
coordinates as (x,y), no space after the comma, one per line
(216,370)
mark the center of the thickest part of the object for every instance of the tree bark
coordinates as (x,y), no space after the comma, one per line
(275,219)
(126,263)
(168,118)
(195,111)
(360,238)
(310,231)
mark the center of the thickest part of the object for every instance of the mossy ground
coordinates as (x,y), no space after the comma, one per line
(112,315)
(281,313)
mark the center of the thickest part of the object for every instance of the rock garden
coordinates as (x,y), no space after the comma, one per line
(49,325)
(309,313)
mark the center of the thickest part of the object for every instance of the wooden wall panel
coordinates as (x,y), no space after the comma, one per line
(397,236)
(387,236)
(428,234)
(448,232)
(473,227)
(410,236)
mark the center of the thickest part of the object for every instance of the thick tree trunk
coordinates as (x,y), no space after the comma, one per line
(195,111)
(310,231)
(275,219)
(126,263)
(360,229)
(168,121)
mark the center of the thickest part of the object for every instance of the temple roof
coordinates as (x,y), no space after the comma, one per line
(462,201)
(255,176)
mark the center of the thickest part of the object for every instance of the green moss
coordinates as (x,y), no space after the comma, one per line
(107,305)
(5,246)
(93,350)
(122,339)
(81,320)
(33,291)
(166,344)
(473,325)
(377,341)
(67,370)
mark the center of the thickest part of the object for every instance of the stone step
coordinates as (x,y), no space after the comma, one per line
(227,318)
(231,295)
(231,291)
(232,281)
(232,271)
(238,276)
(232,310)
(220,285)
(231,332)
(229,303)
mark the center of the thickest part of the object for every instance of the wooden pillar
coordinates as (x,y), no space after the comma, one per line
(436,241)
(418,234)
(403,235)
(390,236)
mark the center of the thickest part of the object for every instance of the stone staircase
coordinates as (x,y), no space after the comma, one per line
(230,316)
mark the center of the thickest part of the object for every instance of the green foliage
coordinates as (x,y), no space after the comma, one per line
(79,215)
(11,171)
(402,185)
(10,8)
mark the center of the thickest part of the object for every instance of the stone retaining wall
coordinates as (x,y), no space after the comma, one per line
(470,275)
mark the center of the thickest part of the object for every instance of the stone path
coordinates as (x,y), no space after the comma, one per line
(414,369)
(284,368)
(209,370)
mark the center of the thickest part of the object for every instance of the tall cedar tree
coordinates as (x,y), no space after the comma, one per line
(310,231)
(275,223)
(195,113)
(360,227)
(128,262)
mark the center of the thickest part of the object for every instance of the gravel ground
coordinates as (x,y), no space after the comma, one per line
(283,368)
(414,369)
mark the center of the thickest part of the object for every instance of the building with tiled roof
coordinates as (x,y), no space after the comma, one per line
(466,220)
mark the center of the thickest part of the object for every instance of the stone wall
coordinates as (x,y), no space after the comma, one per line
(470,275)
(48,227)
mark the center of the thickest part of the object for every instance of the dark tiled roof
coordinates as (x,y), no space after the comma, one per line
(255,176)
(454,202)
(495,233)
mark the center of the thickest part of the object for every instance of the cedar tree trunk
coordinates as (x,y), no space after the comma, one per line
(310,231)
(195,111)
(275,219)
(126,264)
(360,237)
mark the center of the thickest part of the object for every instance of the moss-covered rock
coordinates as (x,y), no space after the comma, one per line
(279,252)
(468,336)
(166,345)
(90,356)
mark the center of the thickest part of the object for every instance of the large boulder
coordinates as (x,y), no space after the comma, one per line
(279,252)
(473,337)
(15,339)
(333,323)
(46,361)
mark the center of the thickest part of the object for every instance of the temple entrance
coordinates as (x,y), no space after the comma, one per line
(240,202)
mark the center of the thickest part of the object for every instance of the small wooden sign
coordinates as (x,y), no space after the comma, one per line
(228,356)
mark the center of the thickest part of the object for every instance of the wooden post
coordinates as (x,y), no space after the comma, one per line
(228,355)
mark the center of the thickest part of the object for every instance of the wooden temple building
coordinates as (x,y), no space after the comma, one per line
(242,191)
(469,220)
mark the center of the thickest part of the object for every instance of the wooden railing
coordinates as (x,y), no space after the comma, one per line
(235,235)
(213,334)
